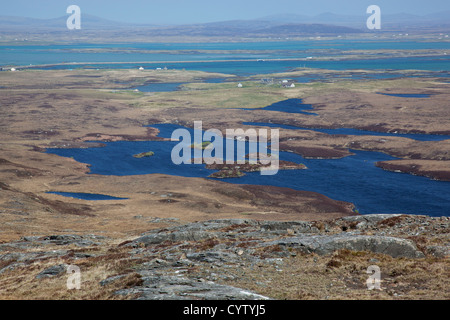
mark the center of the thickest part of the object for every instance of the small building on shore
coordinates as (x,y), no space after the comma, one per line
(287,84)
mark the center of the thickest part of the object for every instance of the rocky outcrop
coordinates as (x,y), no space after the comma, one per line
(189,261)
(176,288)
(322,245)
(183,235)
(308,237)
(52,271)
(224,244)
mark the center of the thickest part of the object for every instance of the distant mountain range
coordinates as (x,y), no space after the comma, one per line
(8,23)
(273,25)
(388,20)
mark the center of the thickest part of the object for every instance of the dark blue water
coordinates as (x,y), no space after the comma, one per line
(214,80)
(355,132)
(288,106)
(117,158)
(406,95)
(159,87)
(87,196)
(354,179)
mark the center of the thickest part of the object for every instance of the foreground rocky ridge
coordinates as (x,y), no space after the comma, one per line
(202,260)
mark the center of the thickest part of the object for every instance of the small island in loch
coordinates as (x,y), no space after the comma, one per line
(144,154)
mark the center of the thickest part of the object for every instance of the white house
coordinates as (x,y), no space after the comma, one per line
(240,85)
(141,68)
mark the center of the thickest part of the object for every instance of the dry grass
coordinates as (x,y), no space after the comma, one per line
(97,79)
(216,96)
(343,276)
(22,284)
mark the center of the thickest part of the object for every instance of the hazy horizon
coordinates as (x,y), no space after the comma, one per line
(202,11)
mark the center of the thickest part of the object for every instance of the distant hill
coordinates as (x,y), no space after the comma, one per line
(307,29)
(252,29)
(88,22)
(222,28)
(280,25)
(399,21)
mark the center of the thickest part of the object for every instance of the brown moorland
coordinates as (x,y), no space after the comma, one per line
(43,109)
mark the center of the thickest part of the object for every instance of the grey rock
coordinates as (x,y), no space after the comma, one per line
(296,226)
(212,256)
(155,263)
(164,220)
(82,241)
(217,229)
(324,245)
(228,222)
(52,271)
(156,238)
(439,251)
(182,263)
(30,238)
(367,221)
(35,242)
(181,288)
(112,279)
(31,256)
(370,218)
(13,256)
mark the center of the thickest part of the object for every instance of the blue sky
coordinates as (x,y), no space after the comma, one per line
(192,11)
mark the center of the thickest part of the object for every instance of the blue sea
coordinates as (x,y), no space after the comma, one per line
(241,59)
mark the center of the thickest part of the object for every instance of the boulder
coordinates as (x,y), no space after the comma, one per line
(52,271)
(323,245)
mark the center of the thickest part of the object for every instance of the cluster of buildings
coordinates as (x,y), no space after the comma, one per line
(270,81)
(142,68)
(284,83)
